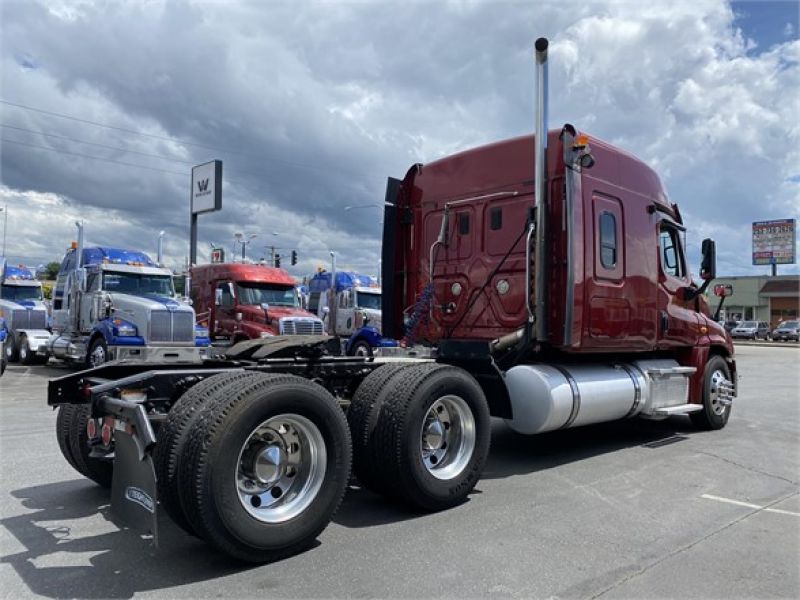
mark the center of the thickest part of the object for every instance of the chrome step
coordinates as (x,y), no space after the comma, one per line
(670,371)
(680,409)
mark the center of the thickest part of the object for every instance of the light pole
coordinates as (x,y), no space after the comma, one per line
(244,239)
(160,252)
(5,226)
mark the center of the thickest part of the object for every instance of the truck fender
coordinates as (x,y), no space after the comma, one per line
(368,334)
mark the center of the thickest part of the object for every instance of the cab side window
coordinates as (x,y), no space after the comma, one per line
(226,298)
(671,255)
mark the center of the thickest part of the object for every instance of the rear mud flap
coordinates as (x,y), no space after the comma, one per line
(133,489)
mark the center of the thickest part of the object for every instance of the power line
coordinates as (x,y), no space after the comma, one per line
(180,141)
(108,160)
(70,139)
(114,127)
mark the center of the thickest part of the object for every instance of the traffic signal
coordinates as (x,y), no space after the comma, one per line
(277,261)
(294,257)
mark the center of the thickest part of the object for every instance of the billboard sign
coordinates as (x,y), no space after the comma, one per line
(774,242)
(217,255)
(207,187)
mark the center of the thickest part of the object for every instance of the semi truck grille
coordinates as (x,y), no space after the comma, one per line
(301,326)
(28,319)
(168,326)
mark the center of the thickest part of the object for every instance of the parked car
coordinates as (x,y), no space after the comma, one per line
(730,325)
(787,331)
(751,330)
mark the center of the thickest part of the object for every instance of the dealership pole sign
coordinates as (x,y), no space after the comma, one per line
(205,196)
(774,242)
(207,187)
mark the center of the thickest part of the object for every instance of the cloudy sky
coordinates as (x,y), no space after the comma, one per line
(105,106)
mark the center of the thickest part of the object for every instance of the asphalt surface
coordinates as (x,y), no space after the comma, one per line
(623,510)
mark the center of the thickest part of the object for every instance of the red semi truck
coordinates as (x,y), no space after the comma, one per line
(248,302)
(545,275)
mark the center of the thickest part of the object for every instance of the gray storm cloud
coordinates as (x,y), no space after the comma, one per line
(312,106)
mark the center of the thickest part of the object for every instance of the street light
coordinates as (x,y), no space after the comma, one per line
(160,252)
(5,226)
(373,205)
(240,237)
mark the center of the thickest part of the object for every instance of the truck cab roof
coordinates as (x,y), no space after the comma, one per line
(106,255)
(345,280)
(242,272)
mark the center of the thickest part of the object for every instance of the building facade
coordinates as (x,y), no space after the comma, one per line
(760,298)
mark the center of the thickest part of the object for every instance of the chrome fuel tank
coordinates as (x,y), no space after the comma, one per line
(548,397)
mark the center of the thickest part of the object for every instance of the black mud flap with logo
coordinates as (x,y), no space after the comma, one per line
(133,490)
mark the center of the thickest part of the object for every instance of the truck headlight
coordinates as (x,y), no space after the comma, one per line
(126,330)
(266,334)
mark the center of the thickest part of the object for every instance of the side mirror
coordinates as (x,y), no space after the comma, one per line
(723,290)
(217,297)
(708,266)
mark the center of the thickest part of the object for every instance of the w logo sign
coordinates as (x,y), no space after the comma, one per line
(202,185)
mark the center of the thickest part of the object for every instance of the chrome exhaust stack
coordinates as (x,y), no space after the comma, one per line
(539,312)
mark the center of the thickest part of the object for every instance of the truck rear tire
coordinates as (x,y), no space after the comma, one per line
(11,348)
(173,434)
(432,436)
(74,443)
(362,418)
(265,467)
(714,414)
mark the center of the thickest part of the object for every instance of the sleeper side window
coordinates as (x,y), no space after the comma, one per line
(608,240)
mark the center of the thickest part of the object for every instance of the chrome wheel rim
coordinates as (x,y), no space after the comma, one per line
(98,356)
(361,350)
(447,437)
(720,393)
(281,468)
(23,352)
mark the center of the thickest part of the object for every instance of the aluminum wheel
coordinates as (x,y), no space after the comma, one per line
(447,437)
(98,356)
(281,467)
(720,392)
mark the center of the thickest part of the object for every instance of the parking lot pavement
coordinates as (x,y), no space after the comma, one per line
(623,510)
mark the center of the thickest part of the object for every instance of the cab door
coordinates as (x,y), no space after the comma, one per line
(345,313)
(224,303)
(678,322)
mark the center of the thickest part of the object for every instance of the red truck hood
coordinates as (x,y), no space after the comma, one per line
(256,313)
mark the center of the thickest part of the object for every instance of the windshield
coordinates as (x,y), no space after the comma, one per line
(368,300)
(256,294)
(745,324)
(21,292)
(138,284)
(790,324)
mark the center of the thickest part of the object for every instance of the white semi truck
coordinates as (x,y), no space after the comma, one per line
(112,303)
(22,306)
(357,304)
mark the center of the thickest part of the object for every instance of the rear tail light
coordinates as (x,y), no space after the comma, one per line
(105,434)
(91,429)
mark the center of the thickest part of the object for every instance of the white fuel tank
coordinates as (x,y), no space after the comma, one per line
(547,397)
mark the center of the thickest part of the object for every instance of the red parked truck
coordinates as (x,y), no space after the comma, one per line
(247,302)
(548,280)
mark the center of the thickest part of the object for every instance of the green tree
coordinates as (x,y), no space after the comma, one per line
(51,270)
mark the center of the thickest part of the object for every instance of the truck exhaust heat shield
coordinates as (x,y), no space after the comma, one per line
(133,489)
